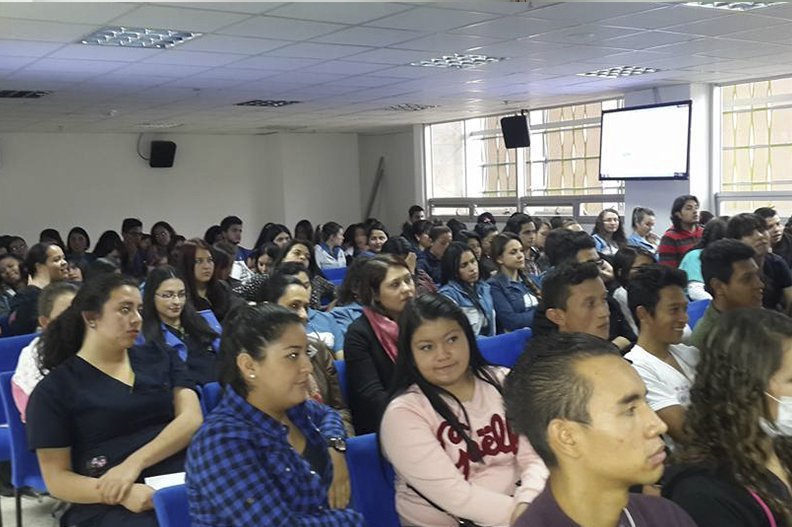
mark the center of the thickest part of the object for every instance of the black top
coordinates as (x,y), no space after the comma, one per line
(369,374)
(645,511)
(714,499)
(430,264)
(776,277)
(784,248)
(24,311)
(103,420)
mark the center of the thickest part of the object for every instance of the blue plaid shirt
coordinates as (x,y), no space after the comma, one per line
(241,470)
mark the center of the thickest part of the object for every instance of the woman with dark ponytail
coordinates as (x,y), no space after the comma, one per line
(329,252)
(445,428)
(108,414)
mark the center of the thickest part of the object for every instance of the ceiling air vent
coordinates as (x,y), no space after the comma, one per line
(267,103)
(410,107)
(22,94)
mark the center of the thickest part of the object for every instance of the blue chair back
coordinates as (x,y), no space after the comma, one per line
(172,507)
(340,367)
(372,481)
(10,348)
(25,470)
(211,393)
(335,274)
(505,349)
(695,311)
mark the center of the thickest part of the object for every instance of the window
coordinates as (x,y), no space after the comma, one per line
(756,144)
(468,159)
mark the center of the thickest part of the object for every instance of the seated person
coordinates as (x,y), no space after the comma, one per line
(370,349)
(301,251)
(266,455)
(643,221)
(169,319)
(376,236)
(691,262)
(486,233)
(445,430)
(584,410)
(290,291)
(565,246)
(751,230)
(45,263)
(429,259)
(525,227)
(667,367)
(108,414)
(53,301)
(608,233)
(461,283)
(329,254)
(733,279)
(398,246)
(629,259)
(348,307)
(514,293)
(195,263)
(685,232)
(734,468)
(12,280)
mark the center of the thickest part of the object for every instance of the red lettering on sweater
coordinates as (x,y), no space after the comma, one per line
(495,438)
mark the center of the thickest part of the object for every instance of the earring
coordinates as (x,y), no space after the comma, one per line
(252,375)
(92,324)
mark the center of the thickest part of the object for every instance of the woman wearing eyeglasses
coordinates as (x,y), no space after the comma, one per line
(169,319)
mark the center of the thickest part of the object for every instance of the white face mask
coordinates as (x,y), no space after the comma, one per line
(783,423)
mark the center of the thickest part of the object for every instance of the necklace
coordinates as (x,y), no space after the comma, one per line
(629,517)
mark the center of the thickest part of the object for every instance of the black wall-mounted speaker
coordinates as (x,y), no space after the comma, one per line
(515,131)
(162,154)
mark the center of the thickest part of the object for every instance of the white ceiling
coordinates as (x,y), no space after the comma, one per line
(347,62)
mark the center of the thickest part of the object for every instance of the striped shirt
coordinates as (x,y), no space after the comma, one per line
(676,242)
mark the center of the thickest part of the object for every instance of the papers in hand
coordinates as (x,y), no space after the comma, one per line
(166,480)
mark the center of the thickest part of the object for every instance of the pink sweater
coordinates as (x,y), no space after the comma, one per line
(428,454)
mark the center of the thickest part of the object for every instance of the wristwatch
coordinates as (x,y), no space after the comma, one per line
(337,443)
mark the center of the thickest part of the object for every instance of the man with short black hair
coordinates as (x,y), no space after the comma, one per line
(751,230)
(656,296)
(584,411)
(575,299)
(416,213)
(780,241)
(429,259)
(133,261)
(231,227)
(733,279)
(684,234)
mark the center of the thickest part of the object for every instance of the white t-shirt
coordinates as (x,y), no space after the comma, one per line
(665,384)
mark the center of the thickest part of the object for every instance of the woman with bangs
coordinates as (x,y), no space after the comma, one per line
(445,429)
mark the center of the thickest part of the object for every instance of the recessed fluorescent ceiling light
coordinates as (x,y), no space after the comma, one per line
(409,107)
(733,6)
(457,61)
(138,37)
(621,71)
(267,103)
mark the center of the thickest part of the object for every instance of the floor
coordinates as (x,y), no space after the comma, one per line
(34,514)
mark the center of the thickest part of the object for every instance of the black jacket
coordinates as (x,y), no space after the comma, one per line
(369,374)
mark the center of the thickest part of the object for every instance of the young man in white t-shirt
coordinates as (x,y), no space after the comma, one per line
(656,296)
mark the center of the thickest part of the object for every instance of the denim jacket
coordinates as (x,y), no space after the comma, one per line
(515,303)
(457,293)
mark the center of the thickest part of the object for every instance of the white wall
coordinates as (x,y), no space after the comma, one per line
(401,186)
(659,195)
(95,180)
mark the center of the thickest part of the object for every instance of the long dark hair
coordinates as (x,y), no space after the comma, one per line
(185,268)
(599,227)
(496,251)
(738,358)
(81,231)
(37,255)
(193,323)
(167,226)
(426,308)
(64,336)
(108,242)
(304,230)
(313,269)
(249,330)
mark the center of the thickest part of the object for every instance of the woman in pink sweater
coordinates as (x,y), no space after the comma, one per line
(445,428)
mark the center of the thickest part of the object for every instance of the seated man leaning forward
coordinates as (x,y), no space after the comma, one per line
(584,410)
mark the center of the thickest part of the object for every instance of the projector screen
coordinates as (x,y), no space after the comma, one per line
(646,142)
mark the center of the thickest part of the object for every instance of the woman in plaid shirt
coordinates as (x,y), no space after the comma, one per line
(266,455)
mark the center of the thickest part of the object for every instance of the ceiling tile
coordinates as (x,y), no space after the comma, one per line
(14,63)
(182,18)
(228,44)
(253,8)
(42,31)
(584,12)
(393,56)
(776,34)
(20,48)
(431,19)
(161,70)
(280,28)
(665,16)
(584,34)
(513,27)
(726,25)
(117,54)
(343,13)
(80,66)
(647,39)
(348,67)
(449,43)
(313,50)
(275,63)
(370,36)
(70,12)
(194,58)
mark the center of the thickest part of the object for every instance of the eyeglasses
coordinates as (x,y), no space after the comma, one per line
(170,295)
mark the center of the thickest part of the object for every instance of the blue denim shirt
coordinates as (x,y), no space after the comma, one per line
(514,309)
(457,293)
(241,469)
